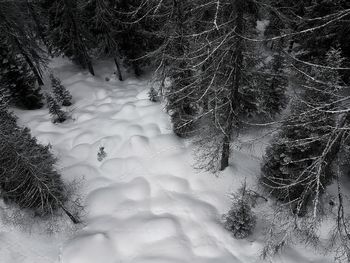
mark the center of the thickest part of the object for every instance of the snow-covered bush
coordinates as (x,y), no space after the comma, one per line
(153,95)
(101,154)
(240,219)
(60,92)
(57,114)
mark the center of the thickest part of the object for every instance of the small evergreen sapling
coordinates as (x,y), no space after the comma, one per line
(240,219)
(101,154)
(57,114)
(60,92)
(153,95)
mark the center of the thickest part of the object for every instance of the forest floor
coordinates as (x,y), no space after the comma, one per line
(144,202)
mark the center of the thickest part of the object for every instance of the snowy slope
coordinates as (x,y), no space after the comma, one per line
(144,202)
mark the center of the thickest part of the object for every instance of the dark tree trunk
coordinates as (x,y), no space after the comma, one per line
(74,219)
(234,93)
(120,76)
(89,65)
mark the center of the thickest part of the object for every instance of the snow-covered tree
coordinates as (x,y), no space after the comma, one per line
(293,170)
(17,80)
(19,39)
(303,159)
(228,82)
(57,114)
(66,32)
(100,17)
(240,219)
(153,95)
(60,92)
(28,178)
(138,33)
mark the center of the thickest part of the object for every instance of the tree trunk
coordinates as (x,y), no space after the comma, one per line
(90,67)
(234,93)
(71,217)
(225,155)
(120,76)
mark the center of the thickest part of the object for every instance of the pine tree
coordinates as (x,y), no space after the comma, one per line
(57,114)
(27,175)
(301,156)
(180,96)
(101,18)
(240,219)
(274,83)
(18,80)
(19,39)
(60,92)
(66,34)
(153,95)
(21,58)
(229,85)
(138,33)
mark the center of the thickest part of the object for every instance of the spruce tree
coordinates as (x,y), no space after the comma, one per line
(298,164)
(229,82)
(28,178)
(138,33)
(66,34)
(16,34)
(100,17)
(240,220)
(57,114)
(18,80)
(60,92)
(173,70)
(274,82)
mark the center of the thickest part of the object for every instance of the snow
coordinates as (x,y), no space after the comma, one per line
(145,203)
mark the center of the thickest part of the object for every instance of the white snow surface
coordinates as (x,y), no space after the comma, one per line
(145,203)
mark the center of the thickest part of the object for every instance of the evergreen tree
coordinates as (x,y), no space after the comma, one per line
(153,95)
(274,82)
(57,114)
(229,83)
(137,33)
(298,164)
(240,219)
(18,80)
(66,33)
(21,58)
(37,21)
(19,39)
(60,92)
(317,42)
(173,69)
(101,18)
(27,175)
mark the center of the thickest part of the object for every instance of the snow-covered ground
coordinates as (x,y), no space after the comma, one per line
(144,202)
